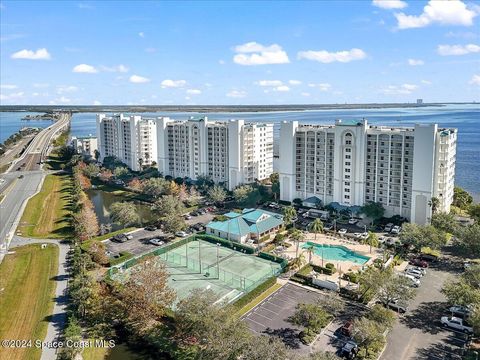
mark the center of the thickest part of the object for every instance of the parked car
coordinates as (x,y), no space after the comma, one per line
(328,227)
(396,229)
(198,226)
(398,306)
(120,238)
(456,324)
(156,242)
(364,235)
(418,268)
(418,262)
(21,177)
(181,233)
(352,221)
(150,228)
(342,231)
(347,328)
(187,217)
(388,227)
(129,236)
(460,310)
(414,281)
(415,273)
(349,349)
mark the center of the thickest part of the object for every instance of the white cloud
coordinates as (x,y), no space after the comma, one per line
(446,50)
(221,62)
(12,97)
(8,86)
(281,88)
(415,62)
(236,94)
(475,80)
(84,68)
(173,83)
(60,100)
(96,102)
(137,79)
(194,91)
(321,86)
(40,54)
(403,89)
(306,94)
(66,89)
(253,53)
(426,82)
(324,56)
(116,68)
(294,82)
(453,12)
(269,82)
(141,34)
(389,4)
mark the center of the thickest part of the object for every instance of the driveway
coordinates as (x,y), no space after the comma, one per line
(138,245)
(418,334)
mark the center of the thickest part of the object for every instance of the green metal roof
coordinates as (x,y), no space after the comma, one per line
(250,221)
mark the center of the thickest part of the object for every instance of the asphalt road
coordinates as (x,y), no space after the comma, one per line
(418,334)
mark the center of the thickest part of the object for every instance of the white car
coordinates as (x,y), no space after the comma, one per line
(388,227)
(415,273)
(396,229)
(342,231)
(181,233)
(357,235)
(414,282)
(156,242)
(418,268)
(456,323)
(352,221)
(364,235)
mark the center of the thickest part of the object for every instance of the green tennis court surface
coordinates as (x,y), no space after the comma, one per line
(199,264)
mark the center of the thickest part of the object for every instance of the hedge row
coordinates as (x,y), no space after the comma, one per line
(247,298)
(283,262)
(227,243)
(124,256)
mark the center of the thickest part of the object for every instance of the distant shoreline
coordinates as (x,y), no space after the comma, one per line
(212,108)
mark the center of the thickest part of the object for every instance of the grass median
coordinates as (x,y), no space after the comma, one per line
(47,213)
(27,287)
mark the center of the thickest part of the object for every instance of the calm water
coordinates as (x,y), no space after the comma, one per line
(10,123)
(464,117)
(337,253)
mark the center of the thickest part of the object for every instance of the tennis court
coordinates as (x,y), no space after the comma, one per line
(199,264)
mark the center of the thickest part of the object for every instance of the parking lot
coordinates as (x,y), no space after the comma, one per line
(271,317)
(140,242)
(418,334)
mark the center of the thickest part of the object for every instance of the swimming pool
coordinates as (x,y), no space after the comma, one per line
(336,253)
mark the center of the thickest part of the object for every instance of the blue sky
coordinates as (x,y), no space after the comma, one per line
(103,52)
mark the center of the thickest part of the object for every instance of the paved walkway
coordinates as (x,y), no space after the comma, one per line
(58,317)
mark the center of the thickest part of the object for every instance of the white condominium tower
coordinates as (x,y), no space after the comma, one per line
(354,163)
(232,152)
(131,139)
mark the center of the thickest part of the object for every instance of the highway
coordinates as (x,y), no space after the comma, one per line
(23,179)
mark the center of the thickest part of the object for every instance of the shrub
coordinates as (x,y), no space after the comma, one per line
(279,238)
(244,300)
(283,262)
(230,244)
(264,238)
(331,267)
(307,336)
(352,277)
(305,271)
(268,248)
(124,256)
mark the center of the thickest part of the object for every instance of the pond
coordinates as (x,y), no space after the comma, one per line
(102,200)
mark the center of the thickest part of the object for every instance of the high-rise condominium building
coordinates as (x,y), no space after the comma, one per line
(354,163)
(131,139)
(232,152)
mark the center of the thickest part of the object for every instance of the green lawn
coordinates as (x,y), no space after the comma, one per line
(27,290)
(47,213)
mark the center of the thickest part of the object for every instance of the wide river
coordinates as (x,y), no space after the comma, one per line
(466,118)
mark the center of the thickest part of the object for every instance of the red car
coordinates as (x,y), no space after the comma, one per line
(419,262)
(347,328)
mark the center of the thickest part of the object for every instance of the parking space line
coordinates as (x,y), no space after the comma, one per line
(256,323)
(266,317)
(271,303)
(264,308)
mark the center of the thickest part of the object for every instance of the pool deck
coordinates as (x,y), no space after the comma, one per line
(343,266)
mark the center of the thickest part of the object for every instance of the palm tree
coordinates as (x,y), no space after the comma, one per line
(297,236)
(310,251)
(434,203)
(372,240)
(289,213)
(140,163)
(316,227)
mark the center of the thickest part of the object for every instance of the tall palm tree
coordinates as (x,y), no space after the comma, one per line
(289,213)
(316,227)
(310,251)
(372,240)
(297,236)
